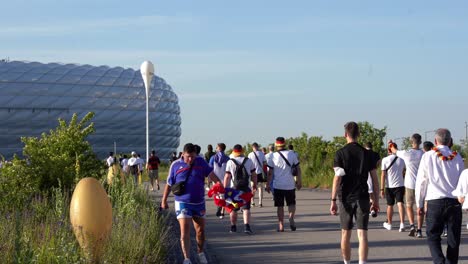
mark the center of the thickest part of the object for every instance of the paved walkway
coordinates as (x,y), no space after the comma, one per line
(316,239)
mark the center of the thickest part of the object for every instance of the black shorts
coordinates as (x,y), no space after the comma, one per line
(359,209)
(393,194)
(280,195)
(261,177)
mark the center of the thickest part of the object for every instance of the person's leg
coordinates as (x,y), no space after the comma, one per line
(233,218)
(260,193)
(363,244)
(454,222)
(247,216)
(389,214)
(410,201)
(184,224)
(280,214)
(151,181)
(362,222)
(199,225)
(434,228)
(390,197)
(401,212)
(291,202)
(279,197)
(345,244)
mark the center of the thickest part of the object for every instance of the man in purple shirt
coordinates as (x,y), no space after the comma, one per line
(190,206)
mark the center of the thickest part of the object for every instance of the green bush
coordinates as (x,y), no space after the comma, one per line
(63,155)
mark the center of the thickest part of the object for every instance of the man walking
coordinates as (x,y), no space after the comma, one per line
(281,181)
(392,186)
(437,178)
(258,159)
(241,170)
(352,165)
(190,206)
(412,158)
(152,168)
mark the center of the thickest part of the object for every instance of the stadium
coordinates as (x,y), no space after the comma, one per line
(34,95)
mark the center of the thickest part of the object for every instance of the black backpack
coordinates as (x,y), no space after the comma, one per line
(241,178)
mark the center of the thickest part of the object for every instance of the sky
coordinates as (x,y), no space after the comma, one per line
(250,71)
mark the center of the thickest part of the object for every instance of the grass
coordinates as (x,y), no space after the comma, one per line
(42,232)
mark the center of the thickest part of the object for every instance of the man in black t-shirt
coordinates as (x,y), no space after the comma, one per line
(352,165)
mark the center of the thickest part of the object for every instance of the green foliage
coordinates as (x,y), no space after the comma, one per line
(17,185)
(63,155)
(316,155)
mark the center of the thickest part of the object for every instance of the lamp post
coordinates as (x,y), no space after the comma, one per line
(425,134)
(147,72)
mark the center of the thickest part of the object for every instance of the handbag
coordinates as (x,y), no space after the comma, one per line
(294,170)
(179,188)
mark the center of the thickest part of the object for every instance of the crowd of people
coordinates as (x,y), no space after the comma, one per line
(134,167)
(431,181)
(243,172)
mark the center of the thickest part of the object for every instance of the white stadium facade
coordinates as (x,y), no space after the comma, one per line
(34,95)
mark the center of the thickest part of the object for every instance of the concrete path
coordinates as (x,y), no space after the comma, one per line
(317,239)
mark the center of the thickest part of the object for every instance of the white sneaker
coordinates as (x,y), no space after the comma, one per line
(402,228)
(387,226)
(187,261)
(202,258)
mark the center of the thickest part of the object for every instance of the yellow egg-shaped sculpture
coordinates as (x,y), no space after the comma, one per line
(91,216)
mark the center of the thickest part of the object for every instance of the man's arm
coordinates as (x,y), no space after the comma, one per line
(375,189)
(333,206)
(167,190)
(212,176)
(421,186)
(227,179)
(382,183)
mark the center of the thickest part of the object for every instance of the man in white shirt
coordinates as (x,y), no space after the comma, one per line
(237,162)
(392,186)
(124,164)
(110,159)
(135,164)
(281,180)
(412,158)
(258,159)
(438,175)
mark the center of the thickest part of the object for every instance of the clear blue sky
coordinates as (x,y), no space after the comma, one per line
(249,71)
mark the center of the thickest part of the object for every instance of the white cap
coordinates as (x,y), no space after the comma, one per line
(133,153)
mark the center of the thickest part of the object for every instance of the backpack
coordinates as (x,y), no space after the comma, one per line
(241,178)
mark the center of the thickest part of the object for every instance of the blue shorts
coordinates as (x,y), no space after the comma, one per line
(188,210)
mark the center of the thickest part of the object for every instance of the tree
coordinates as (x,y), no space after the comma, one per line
(373,135)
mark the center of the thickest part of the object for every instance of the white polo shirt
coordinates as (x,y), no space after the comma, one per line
(395,173)
(437,178)
(282,175)
(261,158)
(412,159)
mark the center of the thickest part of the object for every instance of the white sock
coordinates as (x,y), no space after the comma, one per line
(362,262)
(347,261)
